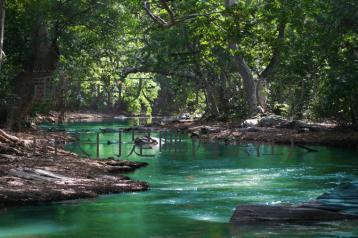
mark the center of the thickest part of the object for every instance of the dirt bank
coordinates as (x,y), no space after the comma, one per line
(27,178)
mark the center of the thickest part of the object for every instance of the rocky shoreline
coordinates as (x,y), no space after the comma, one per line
(28,178)
(269,130)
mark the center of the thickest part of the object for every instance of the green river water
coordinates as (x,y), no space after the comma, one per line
(194,190)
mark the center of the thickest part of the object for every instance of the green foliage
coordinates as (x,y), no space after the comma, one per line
(187,67)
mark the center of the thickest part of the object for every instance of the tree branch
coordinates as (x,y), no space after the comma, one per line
(155,18)
(169,10)
(173,19)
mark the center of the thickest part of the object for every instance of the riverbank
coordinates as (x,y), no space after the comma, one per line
(269,130)
(53,174)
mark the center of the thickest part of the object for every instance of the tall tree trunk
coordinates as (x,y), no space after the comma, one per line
(224,94)
(62,100)
(2,30)
(243,69)
(40,68)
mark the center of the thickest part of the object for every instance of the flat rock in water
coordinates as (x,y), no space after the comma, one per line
(340,203)
(265,213)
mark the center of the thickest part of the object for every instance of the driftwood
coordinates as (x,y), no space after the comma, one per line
(36,174)
(7,137)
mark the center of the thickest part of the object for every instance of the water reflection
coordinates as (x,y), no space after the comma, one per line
(119,143)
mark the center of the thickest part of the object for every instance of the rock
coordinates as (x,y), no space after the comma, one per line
(145,140)
(340,203)
(272,121)
(265,213)
(250,122)
(184,116)
(208,130)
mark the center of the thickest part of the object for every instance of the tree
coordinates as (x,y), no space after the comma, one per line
(2,30)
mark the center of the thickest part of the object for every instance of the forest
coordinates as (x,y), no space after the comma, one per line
(220,60)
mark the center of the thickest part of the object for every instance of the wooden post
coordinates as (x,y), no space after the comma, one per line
(193,146)
(175,137)
(97,143)
(132,134)
(258,150)
(171,138)
(160,141)
(119,143)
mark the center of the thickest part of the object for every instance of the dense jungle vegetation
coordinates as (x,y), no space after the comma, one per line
(222,59)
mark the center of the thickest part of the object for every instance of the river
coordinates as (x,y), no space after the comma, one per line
(194,190)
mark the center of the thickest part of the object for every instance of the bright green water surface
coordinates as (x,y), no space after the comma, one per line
(194,190)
